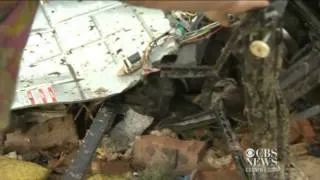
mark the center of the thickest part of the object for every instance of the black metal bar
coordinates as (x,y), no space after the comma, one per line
(302,86)
(307,14)
(308,113)
(101,123)
(190,122)
(186,72)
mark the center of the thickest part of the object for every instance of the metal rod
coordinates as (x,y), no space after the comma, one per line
(308,113)
(101,123)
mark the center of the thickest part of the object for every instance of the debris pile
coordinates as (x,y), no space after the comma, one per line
(209,102)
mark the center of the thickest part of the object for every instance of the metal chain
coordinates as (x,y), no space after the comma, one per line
(231,138)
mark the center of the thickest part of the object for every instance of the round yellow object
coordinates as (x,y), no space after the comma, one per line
(11,169)
(260,49)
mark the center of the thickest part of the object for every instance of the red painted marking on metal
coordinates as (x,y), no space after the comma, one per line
(43,96)
(52,94)
(30,97)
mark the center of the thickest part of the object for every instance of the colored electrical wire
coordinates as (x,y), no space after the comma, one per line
(197,39)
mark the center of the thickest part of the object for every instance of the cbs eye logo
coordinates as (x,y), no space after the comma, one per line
(250,153)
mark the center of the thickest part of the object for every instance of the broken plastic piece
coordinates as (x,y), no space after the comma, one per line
(134,58)
(180,31)
(130,65)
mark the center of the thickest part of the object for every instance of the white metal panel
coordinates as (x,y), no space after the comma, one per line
(76,48)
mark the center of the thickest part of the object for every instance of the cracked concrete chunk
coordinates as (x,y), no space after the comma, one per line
(125,131)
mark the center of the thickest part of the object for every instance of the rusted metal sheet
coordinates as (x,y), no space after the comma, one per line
(76,48)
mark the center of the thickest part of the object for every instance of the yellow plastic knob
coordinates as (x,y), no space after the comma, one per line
(260,49)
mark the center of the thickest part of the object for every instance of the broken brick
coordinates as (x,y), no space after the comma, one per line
(307,130)
(111,167)
(54,133)
(183,156)
(302,128)
(295,132)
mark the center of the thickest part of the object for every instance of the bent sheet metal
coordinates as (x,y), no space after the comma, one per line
(76,48)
